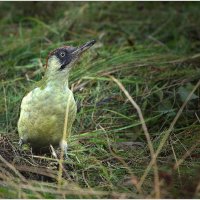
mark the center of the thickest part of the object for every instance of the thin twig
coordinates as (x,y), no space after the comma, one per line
(179,162)
(175,157)
(150,145)
(12,168)
(89,187)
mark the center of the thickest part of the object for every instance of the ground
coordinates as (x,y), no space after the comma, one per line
(146,57)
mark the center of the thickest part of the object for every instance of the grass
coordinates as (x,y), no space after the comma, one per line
(152,49)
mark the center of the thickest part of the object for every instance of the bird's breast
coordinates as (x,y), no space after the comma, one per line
(48,99)
(43,114)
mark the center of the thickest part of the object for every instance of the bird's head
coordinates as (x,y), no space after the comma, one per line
(61,60)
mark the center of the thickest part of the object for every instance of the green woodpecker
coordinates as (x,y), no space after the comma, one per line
(45,108)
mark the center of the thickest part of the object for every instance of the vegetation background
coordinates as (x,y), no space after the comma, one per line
(153,50)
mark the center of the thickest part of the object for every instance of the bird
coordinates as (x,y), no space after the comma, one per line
(44,110)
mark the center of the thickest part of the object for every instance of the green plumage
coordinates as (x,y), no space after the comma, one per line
(43,112)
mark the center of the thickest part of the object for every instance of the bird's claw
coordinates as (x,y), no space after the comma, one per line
(21,142)
(64,147)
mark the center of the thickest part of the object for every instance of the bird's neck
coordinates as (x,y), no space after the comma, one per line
(57,81)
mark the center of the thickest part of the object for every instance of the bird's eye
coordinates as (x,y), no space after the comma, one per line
(62,54)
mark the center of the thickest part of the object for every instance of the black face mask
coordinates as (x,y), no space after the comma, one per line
(65,56)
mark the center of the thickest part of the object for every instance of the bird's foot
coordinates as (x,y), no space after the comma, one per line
(66,157)
(21,142)
(64,148)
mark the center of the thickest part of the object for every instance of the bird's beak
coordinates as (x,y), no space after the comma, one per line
(83,48)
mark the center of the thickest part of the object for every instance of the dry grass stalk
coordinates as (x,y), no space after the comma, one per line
(166,134)
(179,162)
(150,145)
(60,170)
